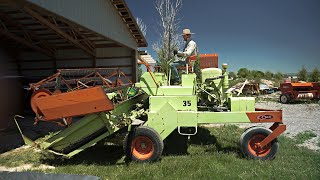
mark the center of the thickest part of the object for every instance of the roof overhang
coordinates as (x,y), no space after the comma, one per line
(130,21)
(28,26)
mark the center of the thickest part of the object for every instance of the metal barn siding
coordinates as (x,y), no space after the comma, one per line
(98,15)
(34,66)
(8,66)
(73,58)
(121,57)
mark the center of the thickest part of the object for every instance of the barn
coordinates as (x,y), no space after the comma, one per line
(40,36)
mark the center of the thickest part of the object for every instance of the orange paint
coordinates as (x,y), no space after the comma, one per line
(264,116)
(74,103)
(255,149)
(206,60)
(278,129)
(38,94)
(142,147)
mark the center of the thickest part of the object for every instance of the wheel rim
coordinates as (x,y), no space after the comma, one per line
(284,99)
(255,150)
(142,147)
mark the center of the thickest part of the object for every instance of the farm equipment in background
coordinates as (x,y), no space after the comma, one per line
(156,111)
(293,91)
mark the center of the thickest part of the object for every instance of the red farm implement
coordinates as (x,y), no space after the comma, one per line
(89,86)
(294,91)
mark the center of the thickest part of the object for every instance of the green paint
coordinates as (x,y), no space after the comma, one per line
(170,107)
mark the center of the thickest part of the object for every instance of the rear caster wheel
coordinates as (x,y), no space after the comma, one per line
(249,140)
(143,144)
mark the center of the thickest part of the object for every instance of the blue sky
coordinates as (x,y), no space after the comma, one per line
(276,35)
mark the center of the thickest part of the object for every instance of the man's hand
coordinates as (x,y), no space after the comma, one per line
(175,52)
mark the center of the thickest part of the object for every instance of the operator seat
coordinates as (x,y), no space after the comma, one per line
(206,61)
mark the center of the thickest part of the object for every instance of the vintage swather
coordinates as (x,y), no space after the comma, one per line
(153,111)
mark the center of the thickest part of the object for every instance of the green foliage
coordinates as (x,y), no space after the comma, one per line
(278,76)
(243,73)
(139,72)
(257,74)
(315,75)
(164,61)
(232,75)
(304,136)
(214,153)
(303,74)
(268,75)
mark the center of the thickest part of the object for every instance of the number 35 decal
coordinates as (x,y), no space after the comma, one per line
(186,103)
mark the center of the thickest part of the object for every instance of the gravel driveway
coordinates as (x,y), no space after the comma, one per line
(299,118)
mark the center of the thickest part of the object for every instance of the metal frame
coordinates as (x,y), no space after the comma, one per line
(25,26)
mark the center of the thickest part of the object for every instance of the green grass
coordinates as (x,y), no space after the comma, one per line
(213,154)
(20,157)
(304,136)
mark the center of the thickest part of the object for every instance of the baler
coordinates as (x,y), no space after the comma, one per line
(158,109)
(299,90)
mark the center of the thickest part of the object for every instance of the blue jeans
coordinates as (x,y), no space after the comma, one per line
(174,69)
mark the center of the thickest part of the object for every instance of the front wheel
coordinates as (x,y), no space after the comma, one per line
(249,140)
(143,144)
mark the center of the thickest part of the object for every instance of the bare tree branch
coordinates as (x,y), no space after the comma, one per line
(169,39)
(142,26)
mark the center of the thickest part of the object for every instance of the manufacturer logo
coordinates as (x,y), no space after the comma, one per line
(265,117)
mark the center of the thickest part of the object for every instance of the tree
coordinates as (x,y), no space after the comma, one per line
(278,76)
(169,38)
(303,74)
(268,75)
(243,72)
(142,26)
(232,75)
(143,29)
(257,74)
(315,75)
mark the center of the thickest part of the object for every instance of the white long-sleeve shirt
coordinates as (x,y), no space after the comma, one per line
(190,50)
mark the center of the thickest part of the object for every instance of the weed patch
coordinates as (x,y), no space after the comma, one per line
(304,136)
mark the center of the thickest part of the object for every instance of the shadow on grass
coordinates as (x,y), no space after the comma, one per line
(174,145)
(99,155)
(205,138)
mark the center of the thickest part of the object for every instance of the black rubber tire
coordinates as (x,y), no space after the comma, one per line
(258,133)
(284,98)
(149,137)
